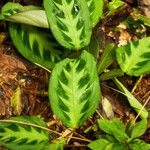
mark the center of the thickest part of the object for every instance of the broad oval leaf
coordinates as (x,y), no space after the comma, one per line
(134,58)
(36,44)
(115,128)
(99,144)
(70,22)
(74,89)
(95,9)
(139,129)
(15,134)
(31,15)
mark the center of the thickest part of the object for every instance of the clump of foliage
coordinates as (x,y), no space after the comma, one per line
(47,36)
(119,137)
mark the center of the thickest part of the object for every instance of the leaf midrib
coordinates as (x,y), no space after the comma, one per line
(74,35)
(73,93)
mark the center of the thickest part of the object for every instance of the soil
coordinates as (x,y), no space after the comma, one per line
(15,72)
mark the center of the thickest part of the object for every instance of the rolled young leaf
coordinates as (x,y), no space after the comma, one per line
(70,22)
(74,90)
(137,106)
(31,15)
(15,134)
(134,58)
(107,57)
(35,44)
(111,74)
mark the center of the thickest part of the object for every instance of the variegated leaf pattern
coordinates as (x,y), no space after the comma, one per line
(36,44)
(134,58)
(10,9)
(15,136)
(74,89)
(70,22)
(31,15)
(95,9)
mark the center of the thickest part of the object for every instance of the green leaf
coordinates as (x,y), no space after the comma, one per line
(55,146)
(114,127)
(31,15)
(74,90)
(70,22)
(15,134)
(36,45)
(142,18)
(139,145)
(116,146)
(95,9)
(103,144)
(107,57)
(99,144)
(114,4)
(139,129)
(16,102)
(11,8)
(134,58)
(111,74)
(137,106)
(109,137)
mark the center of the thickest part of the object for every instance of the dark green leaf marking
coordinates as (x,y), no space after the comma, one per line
(18,136)
(36,45)
(96,10)
(134,58)
(69,21)
(74,89)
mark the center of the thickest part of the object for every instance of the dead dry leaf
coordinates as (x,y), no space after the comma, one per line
(3,36)
(9,63)
(16,102)
(2,108)
(107,107)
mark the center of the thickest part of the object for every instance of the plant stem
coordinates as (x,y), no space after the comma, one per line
(44,128)
(137,83)
(141,109)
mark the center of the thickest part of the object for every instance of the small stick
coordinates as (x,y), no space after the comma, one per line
(137,83)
